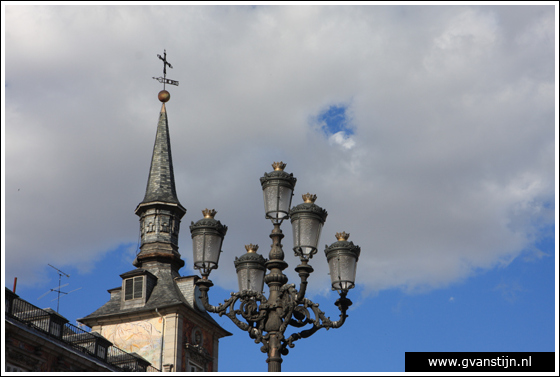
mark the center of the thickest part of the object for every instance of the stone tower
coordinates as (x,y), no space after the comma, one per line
(156,312)
(160,212)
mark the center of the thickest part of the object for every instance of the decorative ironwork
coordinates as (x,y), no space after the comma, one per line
(266,319)
(166,81)
(166,64)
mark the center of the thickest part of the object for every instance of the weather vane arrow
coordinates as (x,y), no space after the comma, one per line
(166,64)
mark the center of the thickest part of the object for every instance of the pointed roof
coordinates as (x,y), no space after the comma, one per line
(161,182)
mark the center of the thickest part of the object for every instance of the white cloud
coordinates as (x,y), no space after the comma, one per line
(340,138)
(467,37)
(450,169)
(468,26)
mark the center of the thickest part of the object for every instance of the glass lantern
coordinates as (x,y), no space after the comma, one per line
(342,257)
(250,270)
(207,236)
(307,222)
(278,187)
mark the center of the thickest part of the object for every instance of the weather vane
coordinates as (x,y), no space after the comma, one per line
(166,64)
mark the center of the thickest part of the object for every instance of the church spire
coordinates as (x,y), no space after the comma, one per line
(161,181)
(160,212)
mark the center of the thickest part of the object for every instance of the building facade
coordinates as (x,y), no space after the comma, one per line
(41,340)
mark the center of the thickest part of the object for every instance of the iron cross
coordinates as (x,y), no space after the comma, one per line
(165,62)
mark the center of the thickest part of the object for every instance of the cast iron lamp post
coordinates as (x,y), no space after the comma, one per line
(266,319)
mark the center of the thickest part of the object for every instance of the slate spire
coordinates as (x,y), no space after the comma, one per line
(161,181)
(160,212)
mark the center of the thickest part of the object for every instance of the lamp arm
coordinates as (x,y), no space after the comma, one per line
(204,286)
(232,314)
(343,304)
(254,314)
(319,322)
(302,317)
(302,289)
(249,309)
(303,270)
(296,336)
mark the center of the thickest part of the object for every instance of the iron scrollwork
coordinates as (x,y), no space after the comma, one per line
(267,319)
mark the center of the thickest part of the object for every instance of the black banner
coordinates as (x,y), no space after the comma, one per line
(479,361)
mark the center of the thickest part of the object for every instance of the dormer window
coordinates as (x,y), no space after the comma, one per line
(133,288)
(137,286)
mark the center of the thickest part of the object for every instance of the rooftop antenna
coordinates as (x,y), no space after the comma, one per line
(64,293)
(57,289)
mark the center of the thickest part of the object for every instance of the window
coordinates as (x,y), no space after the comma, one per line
(195,368)
(133,288)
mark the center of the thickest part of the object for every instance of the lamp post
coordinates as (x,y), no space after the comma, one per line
(267,319)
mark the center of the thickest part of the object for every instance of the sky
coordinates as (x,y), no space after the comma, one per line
(429,133)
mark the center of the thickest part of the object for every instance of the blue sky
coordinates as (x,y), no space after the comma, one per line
(502,310)
(429,133)
(334,120)
(336,124)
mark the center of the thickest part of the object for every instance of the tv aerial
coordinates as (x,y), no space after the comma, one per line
(58,289)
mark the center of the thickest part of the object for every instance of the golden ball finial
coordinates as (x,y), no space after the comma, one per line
(164,96)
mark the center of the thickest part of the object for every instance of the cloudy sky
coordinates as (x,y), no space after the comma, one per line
(426,132)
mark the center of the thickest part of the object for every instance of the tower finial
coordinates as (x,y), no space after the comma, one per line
(165,62)
(164,94)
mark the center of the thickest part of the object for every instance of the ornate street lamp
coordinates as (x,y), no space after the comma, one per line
(307,223)
(278,188)
(342,257)
(207,235)
(267,319)
(250,270)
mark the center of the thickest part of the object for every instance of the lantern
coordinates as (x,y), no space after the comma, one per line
(207,235)
(342,257)
(278,187)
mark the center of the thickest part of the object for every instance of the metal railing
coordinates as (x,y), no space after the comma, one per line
(30,315)
(93,344)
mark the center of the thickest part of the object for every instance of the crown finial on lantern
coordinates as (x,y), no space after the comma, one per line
(251,248)
(343,236)
(278,165)
(309,198)
(209,213)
